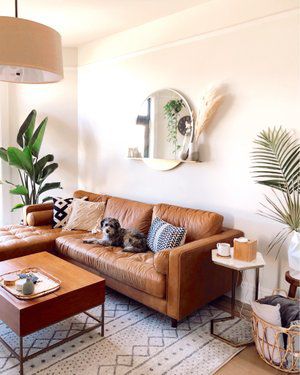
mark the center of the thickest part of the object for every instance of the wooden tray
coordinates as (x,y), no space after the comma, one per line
(48,284)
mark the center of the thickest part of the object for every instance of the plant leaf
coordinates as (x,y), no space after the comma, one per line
(26,129)
(19,190)
(49,186)
(10,183)
(3,154)
(40,164)
(276,159)
(20,159)
(17,206)
(47,171)
(47,199)
(37,138)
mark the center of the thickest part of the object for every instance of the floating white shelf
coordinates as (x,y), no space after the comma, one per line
(163,164)
(168,160)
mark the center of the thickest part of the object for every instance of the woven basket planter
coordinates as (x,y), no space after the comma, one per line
(277,346)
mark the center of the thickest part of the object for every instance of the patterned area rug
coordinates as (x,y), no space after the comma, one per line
(138,341)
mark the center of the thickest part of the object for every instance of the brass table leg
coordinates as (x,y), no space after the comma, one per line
(102,320)
(213,321)
(256,283)
(233,285)
(21,359)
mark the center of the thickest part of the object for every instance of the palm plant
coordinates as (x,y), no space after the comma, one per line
(276,163)
(32,170)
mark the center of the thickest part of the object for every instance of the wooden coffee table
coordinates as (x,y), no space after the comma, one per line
(80,291)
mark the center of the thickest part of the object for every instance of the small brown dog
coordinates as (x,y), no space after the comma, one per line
(131,240)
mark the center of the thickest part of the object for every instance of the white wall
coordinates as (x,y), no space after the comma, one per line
(58,101)
(252,47)
(5,171)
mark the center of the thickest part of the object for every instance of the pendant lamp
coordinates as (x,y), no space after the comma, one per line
(29,51)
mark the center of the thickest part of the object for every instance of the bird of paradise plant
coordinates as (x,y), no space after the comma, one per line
(32,170)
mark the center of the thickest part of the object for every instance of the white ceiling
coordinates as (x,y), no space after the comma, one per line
(81,21)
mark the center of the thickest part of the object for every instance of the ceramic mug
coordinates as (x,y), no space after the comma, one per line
(223,249)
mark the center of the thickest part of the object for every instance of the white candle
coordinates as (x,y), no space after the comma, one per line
(19,284)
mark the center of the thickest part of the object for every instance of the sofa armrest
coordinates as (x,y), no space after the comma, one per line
(193,279)
(161,261)
(38,214)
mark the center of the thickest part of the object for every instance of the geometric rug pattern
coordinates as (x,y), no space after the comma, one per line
(138,341)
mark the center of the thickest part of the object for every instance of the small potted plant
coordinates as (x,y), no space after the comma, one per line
(172,110)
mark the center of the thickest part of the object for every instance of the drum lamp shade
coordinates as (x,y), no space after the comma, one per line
(30,52)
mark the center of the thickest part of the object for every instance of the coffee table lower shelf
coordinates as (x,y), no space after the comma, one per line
(21,358)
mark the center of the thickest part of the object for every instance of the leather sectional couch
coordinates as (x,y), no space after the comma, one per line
(174,282)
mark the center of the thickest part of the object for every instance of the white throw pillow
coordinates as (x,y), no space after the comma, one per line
(85,215)
(267,337)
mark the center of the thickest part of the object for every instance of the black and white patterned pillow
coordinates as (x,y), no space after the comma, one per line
(61,211)
(163,235)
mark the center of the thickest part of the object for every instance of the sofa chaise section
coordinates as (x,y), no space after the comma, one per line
(36,234)
(20,240)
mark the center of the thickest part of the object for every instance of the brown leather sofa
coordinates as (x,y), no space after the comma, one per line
(174,282)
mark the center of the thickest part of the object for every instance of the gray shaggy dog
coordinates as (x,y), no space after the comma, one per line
(131,240)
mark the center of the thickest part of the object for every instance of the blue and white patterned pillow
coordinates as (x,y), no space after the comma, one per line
(163,235)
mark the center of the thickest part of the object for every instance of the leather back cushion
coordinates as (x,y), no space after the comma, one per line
(199,224)
(131,214)
(92,197)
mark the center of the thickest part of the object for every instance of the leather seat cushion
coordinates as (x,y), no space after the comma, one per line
(199,224)
(20,240)
(135,270)
(131,214)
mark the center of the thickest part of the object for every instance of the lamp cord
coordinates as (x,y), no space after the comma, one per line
(16,8)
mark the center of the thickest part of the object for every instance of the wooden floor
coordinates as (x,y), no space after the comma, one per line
(247,362)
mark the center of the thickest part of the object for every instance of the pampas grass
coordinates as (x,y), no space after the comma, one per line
(210,102)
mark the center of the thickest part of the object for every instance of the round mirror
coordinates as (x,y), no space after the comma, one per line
(163,130)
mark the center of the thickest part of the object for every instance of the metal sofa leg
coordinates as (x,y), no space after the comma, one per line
(174,323)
